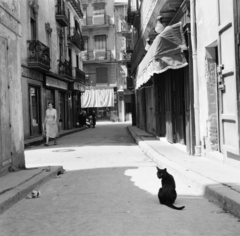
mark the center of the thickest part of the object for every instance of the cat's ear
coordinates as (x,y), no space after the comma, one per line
(157,168)
(165,169)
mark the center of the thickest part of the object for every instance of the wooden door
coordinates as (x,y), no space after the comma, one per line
(61,115)
(5,116)
(179,110)
(168,100)
(160,105)
(227,83)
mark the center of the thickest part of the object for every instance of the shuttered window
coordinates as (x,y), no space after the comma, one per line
(102,75)
(100,42)
(99,9)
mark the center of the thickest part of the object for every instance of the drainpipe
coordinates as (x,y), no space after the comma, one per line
(195,80)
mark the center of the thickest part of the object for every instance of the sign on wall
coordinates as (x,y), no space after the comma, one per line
(51,82)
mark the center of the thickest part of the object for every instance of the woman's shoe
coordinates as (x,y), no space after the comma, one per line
(46,144)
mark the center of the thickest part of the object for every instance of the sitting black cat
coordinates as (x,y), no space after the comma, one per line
(167,194)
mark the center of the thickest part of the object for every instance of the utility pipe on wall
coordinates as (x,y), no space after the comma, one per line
(195,80)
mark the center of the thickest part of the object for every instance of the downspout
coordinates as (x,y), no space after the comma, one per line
(195,80)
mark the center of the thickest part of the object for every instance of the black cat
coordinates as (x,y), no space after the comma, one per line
(167,194)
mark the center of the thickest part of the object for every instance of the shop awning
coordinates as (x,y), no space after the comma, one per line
(100,97)
(166,52)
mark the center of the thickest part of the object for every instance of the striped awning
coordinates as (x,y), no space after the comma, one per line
(166,52)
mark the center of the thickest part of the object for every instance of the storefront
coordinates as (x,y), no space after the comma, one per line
(57,92)
(164,88)
(77,89)
(33,111)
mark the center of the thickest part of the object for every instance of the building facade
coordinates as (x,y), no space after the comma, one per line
(164,103)
(51,65)
(218,73)
(11,116)
(103,59)
(192,102)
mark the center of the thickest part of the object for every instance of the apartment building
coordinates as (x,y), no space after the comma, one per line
(51,65)
(101,60)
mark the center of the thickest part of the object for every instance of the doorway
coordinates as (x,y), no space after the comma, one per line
(61,110)
(34,110)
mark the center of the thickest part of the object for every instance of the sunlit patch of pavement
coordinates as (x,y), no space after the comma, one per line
(146,179)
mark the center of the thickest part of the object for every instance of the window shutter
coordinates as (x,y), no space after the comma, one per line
(102,75)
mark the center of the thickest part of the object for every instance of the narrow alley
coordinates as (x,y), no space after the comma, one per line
(109,188)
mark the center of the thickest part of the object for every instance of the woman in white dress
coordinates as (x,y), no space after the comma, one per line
(51,124)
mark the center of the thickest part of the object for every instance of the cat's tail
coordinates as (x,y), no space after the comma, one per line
(174,207)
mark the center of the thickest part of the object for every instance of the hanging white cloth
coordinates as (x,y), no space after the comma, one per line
(98,98)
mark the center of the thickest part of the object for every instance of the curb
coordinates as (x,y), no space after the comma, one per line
(40,141)
(224,197)
(10,197)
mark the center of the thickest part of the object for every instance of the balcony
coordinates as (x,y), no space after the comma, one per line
(97,56)
(79,75)
(61,16)
(38,56)
(76,38)
(97,20)
(65,69)
(77,7)
(132,11)
(129,49)
(125,57)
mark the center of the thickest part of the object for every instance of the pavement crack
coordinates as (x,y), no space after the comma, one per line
(9,189)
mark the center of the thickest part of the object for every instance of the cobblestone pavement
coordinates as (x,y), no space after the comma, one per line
(110,188)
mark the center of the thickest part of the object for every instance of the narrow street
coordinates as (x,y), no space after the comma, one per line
(109,188)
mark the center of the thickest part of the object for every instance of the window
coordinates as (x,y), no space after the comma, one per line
(60,43)
(33,24)
(60,50)
(77,27)
(60,7)
(102,75)
(100,42)
(84,16)
(48,37)
(85,43)
(34,112)
(77,61)
(99,9)
(70,56)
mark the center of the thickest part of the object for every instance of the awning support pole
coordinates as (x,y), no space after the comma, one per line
(195,80)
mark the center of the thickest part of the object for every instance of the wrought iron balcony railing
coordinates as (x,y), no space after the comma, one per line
(97,20)
(61,16)
(38,56)
(132,11)
(64,68)
(76,38)
(79,75)
(125,56)
(97,55)
(77,7)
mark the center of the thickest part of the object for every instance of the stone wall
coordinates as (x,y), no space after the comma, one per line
(11,116)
